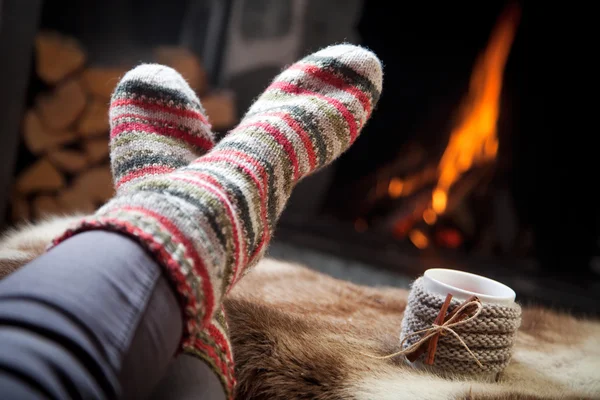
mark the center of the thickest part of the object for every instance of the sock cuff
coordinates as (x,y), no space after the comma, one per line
(166,251)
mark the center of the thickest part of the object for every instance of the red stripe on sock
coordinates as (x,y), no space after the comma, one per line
(199,265)
(292,123)
(265,239)
(295,89)
(156,120)
(228,208)
(279,137)
(266,236)
(246,157)
(159,107)
(219,338)
(210,352)
(198,141)
(149,170)
(223,155)
(333,80)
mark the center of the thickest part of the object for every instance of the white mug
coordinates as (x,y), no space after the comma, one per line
(462,285)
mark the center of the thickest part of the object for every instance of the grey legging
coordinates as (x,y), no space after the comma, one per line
(95,318)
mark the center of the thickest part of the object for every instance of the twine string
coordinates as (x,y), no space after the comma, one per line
(448,326)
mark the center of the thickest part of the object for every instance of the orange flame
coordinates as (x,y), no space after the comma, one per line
(475,140)
(419,239)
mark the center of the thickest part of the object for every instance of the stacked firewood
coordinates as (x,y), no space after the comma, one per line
(66,129)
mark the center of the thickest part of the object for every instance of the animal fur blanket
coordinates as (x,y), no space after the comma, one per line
(298,334)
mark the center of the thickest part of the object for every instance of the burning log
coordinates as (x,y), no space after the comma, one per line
(409,212)
(414,214)
(465,186)
(412,184)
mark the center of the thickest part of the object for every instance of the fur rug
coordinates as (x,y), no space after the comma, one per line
(298,334)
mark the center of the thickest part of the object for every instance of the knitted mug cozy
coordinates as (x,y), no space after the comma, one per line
(489,337)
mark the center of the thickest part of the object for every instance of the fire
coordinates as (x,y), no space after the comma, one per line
(429,216)
(395,188)
(419,239)
(474,140)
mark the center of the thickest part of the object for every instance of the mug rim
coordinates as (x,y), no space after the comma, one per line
(436,285)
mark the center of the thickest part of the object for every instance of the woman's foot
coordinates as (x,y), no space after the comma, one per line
(157,124)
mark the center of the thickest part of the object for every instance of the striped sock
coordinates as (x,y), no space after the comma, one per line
(208,222)
(158,124)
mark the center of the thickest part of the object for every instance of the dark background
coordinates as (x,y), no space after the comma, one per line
(428,51)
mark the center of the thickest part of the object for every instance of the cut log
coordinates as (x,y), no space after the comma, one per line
(74,199)
(46,205)
(100,82)
(96,149)
(57,56)
(38,139)
(96,183)
(61,108)
(220,108)
(186,63)
(94,120)
(40,176)
(19,208)
(71,161)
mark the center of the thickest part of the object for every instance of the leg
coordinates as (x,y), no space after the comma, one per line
(96,302)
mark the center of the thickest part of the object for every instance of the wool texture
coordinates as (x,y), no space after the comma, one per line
(490,336)
(208,222)
(157,125)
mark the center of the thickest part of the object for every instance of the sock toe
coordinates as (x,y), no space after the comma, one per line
(157,124)
(321,103)
(360,59)
(159,82)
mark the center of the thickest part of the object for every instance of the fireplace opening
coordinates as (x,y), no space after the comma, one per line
(453,169)
(453,198)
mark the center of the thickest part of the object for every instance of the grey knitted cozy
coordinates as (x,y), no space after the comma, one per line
(490,336)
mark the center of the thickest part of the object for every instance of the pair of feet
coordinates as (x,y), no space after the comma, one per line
(206,210)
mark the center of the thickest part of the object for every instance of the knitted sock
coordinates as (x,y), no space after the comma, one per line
(208,222)
(158,124)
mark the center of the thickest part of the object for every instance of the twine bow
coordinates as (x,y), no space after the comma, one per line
(443,324)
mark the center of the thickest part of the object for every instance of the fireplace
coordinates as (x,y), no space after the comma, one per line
(431,182)
(450,171)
